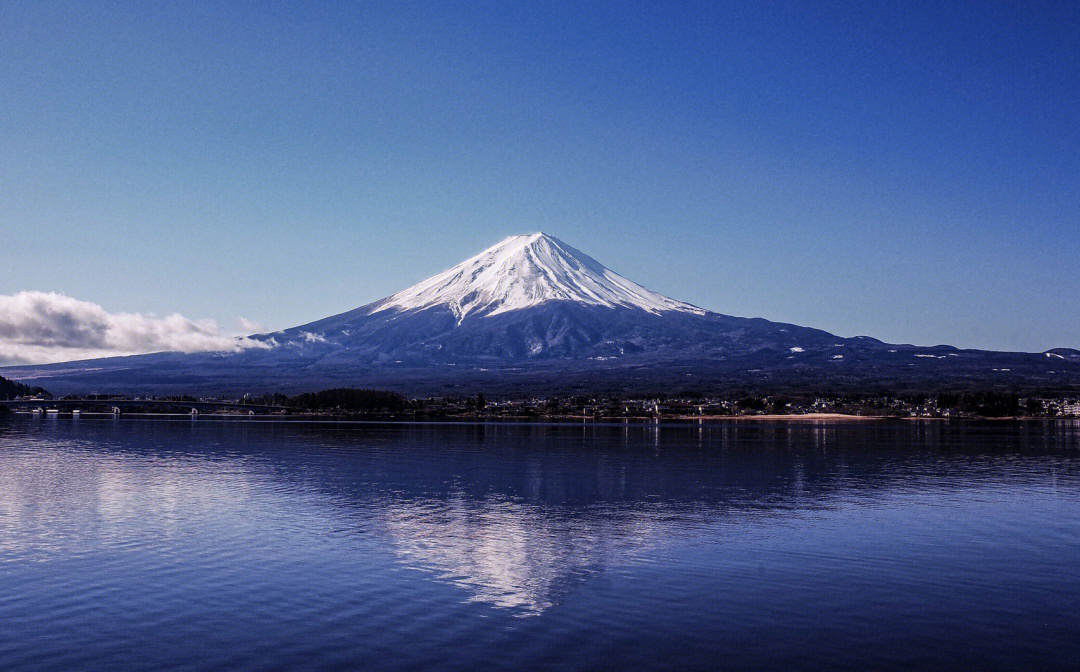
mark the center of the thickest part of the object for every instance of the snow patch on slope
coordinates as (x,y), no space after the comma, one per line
(525,271)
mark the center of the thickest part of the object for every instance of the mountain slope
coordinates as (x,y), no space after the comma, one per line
(533,315)
(525,271)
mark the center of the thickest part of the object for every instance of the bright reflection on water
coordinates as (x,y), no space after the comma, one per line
(141,544)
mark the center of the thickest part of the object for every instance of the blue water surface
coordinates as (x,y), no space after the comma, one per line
(154,544)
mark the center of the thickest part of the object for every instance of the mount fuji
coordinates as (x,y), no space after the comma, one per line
(533,315)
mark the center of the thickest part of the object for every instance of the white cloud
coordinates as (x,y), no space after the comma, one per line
(250,326)
(45,327)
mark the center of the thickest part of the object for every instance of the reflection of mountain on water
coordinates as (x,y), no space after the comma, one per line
(516,515)
(509,554)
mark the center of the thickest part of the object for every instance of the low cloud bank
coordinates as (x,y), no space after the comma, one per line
(46,327)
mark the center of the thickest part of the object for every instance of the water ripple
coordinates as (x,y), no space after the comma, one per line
(297,546)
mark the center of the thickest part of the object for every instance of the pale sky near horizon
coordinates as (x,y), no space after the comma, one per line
(908,171)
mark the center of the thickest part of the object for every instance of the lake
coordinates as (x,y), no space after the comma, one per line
(232,544)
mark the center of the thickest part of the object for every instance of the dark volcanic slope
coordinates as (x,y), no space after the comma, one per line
(561,347)
(532,315)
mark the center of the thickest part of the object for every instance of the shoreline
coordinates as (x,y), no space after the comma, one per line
(842,418)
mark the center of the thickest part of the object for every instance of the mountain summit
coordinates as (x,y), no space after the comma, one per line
(531,315)
(527,297)
(525,271)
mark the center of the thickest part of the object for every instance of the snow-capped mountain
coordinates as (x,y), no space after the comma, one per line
(527,297)
(525,271)
(532,315)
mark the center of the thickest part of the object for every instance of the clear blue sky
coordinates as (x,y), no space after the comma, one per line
(906,171)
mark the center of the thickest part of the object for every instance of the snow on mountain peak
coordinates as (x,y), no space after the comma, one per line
(527,270)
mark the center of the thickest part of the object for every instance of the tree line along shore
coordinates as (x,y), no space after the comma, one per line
(735,404)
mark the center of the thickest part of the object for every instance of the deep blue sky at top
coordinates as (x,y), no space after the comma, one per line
(909,171)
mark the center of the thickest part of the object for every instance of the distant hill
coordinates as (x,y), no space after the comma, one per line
(534,316)
(9,389)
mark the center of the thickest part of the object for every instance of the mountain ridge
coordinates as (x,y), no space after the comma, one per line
(532,313)
(520,272)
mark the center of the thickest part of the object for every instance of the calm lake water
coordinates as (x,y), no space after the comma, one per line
(164,544)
